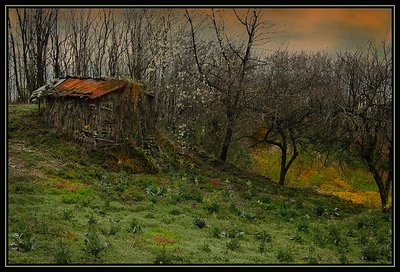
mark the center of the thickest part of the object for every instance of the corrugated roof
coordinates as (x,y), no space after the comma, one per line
(88,87)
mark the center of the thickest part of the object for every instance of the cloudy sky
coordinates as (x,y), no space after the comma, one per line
(329,29)
(304,28)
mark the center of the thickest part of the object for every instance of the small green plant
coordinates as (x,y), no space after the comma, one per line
(351,233)
(303,226)
(313,257)
(162,256)
(263,236)
(175,212)
(284,256)
(216,232)
(248,215)
(93,243)
(235,232)
(212,207)
(233,208)
(121,182)
(248,195)
(23,241)
(233,244)
(319,210)
(156,191)
(334,234)
(42,227)
(67,215)
(343,259)
(199,222)
(366,221)
(266,199)
(227,193)
(189,194)
(371,252)
(135,226)
(298,238)
(343,244)
(114,227)
(62,253)
(92,220)
(205,247)
(262,247)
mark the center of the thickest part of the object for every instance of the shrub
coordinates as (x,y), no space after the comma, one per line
(156,191)
(93,244)
(261,247)
(135,226)
(343,259)
(114,227)
(190,194)
(227,193)
(233,244)
(234,209)
(303,226)
(62,253)
(319,210)
(319,238)
(205,247)
(266,199)
(199,222)
(235,232)
(371,252)
(212,207)
(216,232)
(248,215)
(366,221)
(284,256)
(298,238)
(92,220)
(23,241)
(42,227)
(67,215)
(175,212)
(263,236)
(163,256)
(248,195)
(334,234)
(313,257)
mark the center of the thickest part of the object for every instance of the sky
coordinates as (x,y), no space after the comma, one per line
(328,29)
(331,29)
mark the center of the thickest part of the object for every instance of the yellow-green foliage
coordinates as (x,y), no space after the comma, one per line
(354,184)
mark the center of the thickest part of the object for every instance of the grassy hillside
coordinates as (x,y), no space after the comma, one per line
(70,204)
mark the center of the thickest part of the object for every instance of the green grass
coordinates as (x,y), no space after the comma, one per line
(60,193)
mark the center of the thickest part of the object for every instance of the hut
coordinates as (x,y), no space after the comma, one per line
(98,111)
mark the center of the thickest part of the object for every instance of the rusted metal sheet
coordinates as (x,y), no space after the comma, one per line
(90,88)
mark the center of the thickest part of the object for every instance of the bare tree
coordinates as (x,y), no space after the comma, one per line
(284,106)
(137,44)
(14,59)
(43,20)
(361,113)
(102,29)
(115,49)
(225,70)
(81,40)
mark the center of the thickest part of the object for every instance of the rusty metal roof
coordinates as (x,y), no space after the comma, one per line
(88,87)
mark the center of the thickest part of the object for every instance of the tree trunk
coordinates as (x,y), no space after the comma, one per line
(384,187)
(227,142)
(283,170)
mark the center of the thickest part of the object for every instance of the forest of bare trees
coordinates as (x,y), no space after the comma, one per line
(213,88)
